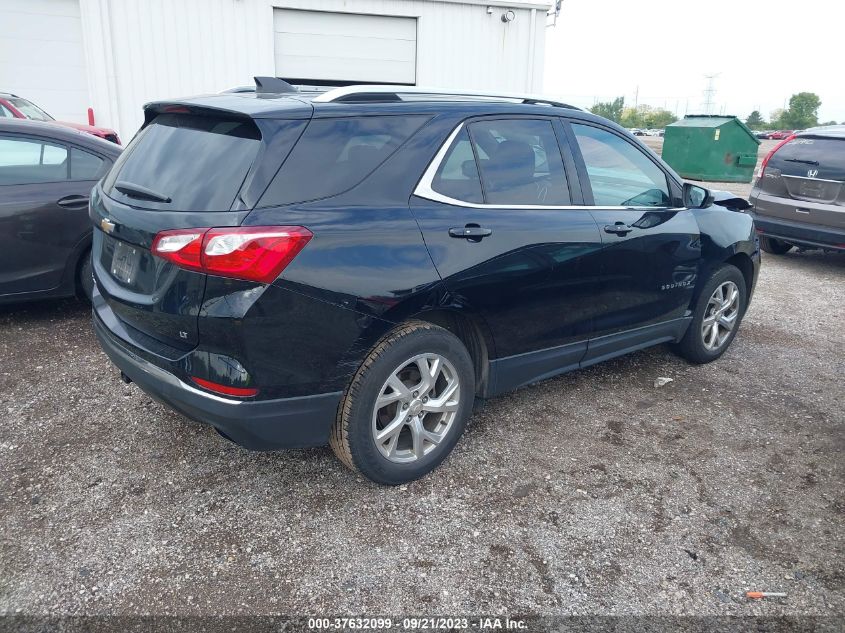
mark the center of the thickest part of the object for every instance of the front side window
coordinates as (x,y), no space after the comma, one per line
(619,173)
(520,162)
(26,161)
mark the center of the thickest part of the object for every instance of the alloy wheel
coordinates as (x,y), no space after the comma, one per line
(416,407)
(720,316)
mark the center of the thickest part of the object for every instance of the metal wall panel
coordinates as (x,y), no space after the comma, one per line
(143,50)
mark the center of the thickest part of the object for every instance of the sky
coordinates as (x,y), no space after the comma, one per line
(658,52)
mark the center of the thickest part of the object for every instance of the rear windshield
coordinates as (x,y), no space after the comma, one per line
(334,155)
(198,163)
(823,155)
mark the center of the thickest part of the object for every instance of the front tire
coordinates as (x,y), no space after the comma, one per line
(716,317)
(774,246)
(406,406)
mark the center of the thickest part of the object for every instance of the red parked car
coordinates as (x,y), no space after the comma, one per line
(15,107)
(780,135)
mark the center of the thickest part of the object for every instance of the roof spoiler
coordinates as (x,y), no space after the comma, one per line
(272,85)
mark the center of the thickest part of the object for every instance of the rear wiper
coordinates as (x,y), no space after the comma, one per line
(801,160)
(137,191)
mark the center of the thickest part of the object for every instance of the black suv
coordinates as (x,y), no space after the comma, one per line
(356,267)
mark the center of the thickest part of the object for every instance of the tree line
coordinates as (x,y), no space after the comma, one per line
(803,112)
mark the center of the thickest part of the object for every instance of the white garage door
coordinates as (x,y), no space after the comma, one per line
(41,56)
(345,46)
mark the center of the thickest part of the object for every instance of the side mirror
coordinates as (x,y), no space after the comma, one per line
(696,197)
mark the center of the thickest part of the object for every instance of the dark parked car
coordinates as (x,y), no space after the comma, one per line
(799,198)
(46,175)
(15,107)
(358,267)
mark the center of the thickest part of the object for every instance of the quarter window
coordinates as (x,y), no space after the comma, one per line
(520,162)
(85,166)
(335,155)
(619,173)
(457,176)
(26,161)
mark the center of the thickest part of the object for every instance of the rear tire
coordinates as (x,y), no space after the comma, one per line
(394,424)
(775,246)
(85,277)
(716,317)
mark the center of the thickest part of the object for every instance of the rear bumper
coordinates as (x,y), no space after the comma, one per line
(811,235)
(299,422)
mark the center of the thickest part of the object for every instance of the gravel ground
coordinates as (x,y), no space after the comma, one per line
(592,493)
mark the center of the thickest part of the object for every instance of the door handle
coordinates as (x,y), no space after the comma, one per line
(619,228)
(471,232)
(73,202)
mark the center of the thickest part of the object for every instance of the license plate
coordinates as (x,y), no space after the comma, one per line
(124,263)
(812,189)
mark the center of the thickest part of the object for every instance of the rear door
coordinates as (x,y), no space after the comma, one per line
(185,169)
(804,181)
(44,187)
(496,212)
(651,246)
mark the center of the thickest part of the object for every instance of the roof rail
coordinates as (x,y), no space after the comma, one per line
(371,92)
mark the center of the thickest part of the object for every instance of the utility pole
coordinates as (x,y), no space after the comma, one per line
(636,97)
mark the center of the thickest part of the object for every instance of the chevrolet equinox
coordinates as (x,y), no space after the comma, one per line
(356,267)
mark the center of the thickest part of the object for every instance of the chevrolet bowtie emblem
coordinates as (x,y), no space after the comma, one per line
(107,225)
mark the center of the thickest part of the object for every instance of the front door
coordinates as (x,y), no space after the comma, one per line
(495,209)
(651,246)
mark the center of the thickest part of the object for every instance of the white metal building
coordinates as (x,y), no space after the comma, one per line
(116,55)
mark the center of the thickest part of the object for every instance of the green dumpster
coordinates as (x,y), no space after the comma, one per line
(710,147)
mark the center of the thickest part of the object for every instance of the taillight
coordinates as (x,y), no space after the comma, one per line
(254,253)
(772,153)
(182,247)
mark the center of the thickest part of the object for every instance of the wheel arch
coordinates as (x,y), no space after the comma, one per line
(70,278)
(746,267)
(472,332)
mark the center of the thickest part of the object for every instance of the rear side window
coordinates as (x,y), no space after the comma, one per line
(334,155)
(199,163)
(27,161)
(619,173)
(520,162)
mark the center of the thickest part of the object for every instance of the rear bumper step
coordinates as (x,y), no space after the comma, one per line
(300,422)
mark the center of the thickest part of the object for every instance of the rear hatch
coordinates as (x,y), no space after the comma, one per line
(187,168)
(803,181)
